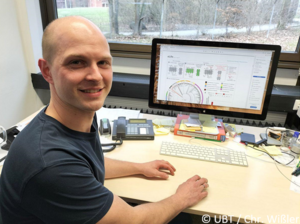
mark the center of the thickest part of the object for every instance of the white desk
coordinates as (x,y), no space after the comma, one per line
(246,193)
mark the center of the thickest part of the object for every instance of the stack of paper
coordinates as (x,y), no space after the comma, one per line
(192,124)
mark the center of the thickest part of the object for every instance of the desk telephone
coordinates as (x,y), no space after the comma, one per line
(132,129)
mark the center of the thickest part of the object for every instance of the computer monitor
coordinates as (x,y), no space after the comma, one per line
(216,78)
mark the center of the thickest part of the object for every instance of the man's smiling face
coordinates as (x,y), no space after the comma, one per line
(81,68)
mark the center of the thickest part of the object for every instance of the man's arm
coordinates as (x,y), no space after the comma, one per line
(157,168)
(187,194)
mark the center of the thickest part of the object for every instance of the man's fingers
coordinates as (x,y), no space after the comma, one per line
(199,181)
(204,185)
(203,194)
(162,175)
(203,181)
(195,178)
(167,166)
(173,168)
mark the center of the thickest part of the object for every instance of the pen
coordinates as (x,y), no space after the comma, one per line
(296,171)
(208,139)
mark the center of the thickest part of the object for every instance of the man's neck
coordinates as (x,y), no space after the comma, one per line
(73,119)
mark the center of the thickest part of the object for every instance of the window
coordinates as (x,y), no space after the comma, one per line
(130,25)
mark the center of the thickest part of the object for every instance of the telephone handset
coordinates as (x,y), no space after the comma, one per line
(121,127)
(105,129)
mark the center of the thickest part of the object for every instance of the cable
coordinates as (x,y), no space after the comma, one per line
(275,161)
(272,156)
(285,176)
(113,145)
(295,152)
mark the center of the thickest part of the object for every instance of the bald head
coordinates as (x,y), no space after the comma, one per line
(60,30)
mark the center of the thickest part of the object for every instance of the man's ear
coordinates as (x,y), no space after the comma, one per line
(45,70)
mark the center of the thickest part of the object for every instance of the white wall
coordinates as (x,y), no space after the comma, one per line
(17,96)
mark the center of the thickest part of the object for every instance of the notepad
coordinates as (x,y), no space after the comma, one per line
(272,150)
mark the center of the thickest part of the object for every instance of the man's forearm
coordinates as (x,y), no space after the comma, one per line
(161,212)
(187,194)
(117,168)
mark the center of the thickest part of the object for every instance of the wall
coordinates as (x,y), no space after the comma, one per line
(17,96)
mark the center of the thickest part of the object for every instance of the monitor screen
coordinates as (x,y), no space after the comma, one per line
(218,78)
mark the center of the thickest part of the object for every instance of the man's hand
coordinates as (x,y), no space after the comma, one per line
(192,191)
(157,168)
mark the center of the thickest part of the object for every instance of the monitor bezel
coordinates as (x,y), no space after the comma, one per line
(262,116)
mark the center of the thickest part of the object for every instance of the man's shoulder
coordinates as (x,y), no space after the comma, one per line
(34,149)
(26,155)
(28,141)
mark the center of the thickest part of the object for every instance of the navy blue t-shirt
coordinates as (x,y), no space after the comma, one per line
(53,174)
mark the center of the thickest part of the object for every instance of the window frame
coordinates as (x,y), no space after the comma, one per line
(288,60)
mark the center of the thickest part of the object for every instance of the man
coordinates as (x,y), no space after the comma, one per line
(54,171)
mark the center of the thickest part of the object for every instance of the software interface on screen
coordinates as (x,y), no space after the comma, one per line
(227,79)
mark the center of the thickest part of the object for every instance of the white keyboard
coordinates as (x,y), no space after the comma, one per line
(211,154)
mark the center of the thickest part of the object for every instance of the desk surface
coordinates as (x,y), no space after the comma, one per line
(255,192)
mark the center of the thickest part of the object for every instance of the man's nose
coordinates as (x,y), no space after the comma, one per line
(94,73)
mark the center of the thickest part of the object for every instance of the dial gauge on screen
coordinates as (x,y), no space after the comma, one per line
(185,91)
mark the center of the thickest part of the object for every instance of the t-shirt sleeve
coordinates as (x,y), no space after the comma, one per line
(66,193)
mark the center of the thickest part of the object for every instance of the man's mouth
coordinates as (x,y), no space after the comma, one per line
(91,90)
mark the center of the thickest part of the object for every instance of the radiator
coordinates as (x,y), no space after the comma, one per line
(274,119)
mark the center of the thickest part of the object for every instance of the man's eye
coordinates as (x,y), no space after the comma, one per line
(103,63)
(75,62)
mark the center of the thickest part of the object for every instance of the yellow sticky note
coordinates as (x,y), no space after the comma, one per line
(161,131)
(211,130)
(273,150)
